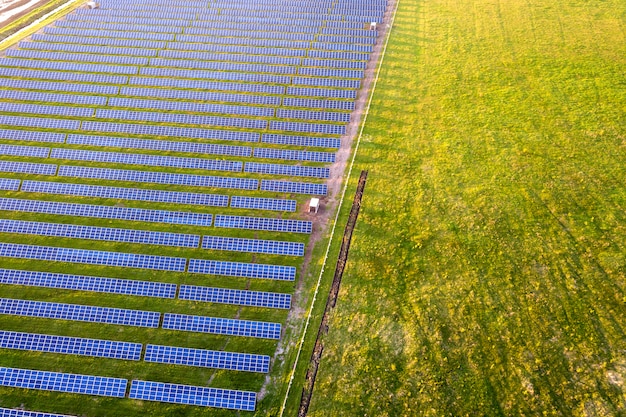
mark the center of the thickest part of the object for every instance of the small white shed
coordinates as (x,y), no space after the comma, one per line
(314,205)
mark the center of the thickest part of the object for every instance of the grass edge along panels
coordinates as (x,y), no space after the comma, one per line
(193,395)
(63,382)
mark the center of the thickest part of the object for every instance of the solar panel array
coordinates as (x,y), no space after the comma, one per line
(70,345)
(187,394)
(9,412)
(113,114)
(87,283)
(207,358)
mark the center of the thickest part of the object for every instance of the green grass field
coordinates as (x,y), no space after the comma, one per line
(487,274)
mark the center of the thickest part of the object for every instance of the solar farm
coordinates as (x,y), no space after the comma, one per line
(157,162)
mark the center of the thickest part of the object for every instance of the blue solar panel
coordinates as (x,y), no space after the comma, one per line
(18,150)
(187,394)
(288,170)
(53,97)
(143,159)
(180,118)
(99,233)
(286,154)
(333,63)
(9,184)
(62,382)
(103,212)
(118,27)
(131,260)
(9,412)
(58,86)
(262,223)
(218,325)
(197,96)
(321,104)
(138,194)
(313,115)
(216,75)
(87,283)
(294,187)
(159,177)
(235,297)
(185,132)
(207,358)
(26,135)
(301,140)
(240,269)
(103,33)
(137,43)
(64,76)
(213,85)
(308,127)
(39,122)
(236,49)
(28,168)
(197,108)
(327,82)
(70,345)
(272,247)
(91,49)
(42,109)
(258,203)
(68,66)
(159,145)
(355,56)
(231,57)
(75,312)
(221,66)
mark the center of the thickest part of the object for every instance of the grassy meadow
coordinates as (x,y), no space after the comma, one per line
(487,273)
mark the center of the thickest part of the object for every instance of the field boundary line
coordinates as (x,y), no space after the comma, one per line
(343,194)
(7,42)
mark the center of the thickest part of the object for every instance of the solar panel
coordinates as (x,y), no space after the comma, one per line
(130,260)
(92,49)
(198,108)
(87,283)
(18,150)
(137,43)
(159,177)
(57,86)
(308,127)
(48,110)
(185,132)
(207,358)
(70,345)
(301,140)
(211,85)
(263,223)
(9,412)
(28,168)
(287,170)
(290,155)
(62,382)
(53,97)
(258,203)
(103,212)
(146,159)
(216,75)
(26,135)
(103,33)
(294,187)
(9,184)
(75,312)
(272,247)
(196,95)
(138,194)
(66,56)
(159,145)
(235,297)
(187,394)
(64,76)
(218,325)
(240,269)
(68,66)
(99,233)
(39,122)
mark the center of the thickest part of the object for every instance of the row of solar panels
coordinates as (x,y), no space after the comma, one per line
(74,282)
(209,17)
(175,146)
(176,83)
(160,263)
(271,247)
(140,318)
(155,160)
(116,387)
(31,66)
(202,35)
(149,215)
(132,351)
(217,52)
(84,20)
(185,59)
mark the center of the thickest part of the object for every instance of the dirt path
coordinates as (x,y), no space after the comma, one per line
(328,206)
